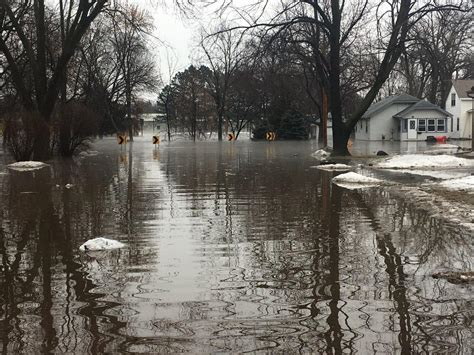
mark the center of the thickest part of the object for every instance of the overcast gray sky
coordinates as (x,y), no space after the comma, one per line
(174,34)
(178,34)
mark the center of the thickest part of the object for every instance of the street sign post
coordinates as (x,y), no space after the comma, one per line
(121,139)
(156,140)
(270,136)
(230,137)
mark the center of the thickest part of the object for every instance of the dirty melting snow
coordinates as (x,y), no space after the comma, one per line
(464,183)
(423,161)
(334,167)
(353,180)
(321,154)
(101,244)
(27,165)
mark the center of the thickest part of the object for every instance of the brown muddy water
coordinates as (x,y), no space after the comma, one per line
(232,247)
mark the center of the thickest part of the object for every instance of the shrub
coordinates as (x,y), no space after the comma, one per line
(19,131)
(74,125)
(260,129)
(293,126)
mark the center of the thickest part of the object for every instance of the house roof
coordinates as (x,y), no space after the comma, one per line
(462,86)
(421,105)
(384,103)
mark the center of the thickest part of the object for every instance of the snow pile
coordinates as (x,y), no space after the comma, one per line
(465,183)
(420,161)
(101,244)
(334,167)
(353,180)
(27,165)
(321,154)
(88,153)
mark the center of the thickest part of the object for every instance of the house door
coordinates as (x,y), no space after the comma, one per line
(412,135)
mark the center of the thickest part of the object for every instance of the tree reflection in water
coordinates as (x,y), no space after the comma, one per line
(241,248)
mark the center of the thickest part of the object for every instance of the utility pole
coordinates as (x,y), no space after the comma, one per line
(324,120)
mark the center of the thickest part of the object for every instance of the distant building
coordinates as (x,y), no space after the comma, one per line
(460,106)
(403,118)
(152,121)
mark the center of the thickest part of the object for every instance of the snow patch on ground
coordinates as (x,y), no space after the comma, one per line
(27,165)
(464,183)
(422,161)
(101,244)
(334,167)
(354,181)
(321,154)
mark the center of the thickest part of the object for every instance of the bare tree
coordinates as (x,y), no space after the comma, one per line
(30,39)
(166,104)
(336,23)
(134,63)
(439,49)
(224,53)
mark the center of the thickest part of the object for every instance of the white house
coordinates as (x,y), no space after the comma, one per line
(460,106)
(403,117)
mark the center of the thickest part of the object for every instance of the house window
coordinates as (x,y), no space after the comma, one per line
(405,125)
(367,126)
(431,125)
(453,99)
(441,126)
(412,124)
(360,124)
(457,124)
(452,123)
(422,125)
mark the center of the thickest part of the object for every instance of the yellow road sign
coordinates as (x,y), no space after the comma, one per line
(270,136)
(121,139)
(230,137)
(156,140)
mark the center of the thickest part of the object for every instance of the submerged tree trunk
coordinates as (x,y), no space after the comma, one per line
(220,122)
(42,140)
(340,135)
(65,127)
(129,110)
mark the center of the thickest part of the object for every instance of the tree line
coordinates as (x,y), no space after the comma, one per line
(74,69)
(282,71)
(69,71)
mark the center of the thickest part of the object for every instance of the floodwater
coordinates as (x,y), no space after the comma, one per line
(231,247)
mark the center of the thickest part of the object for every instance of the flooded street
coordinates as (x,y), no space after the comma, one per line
(230,247)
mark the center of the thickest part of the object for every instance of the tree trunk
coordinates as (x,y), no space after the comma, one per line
(167,113)
(65,135)
(129,111)
(220,122)
(41,144)
(340,135)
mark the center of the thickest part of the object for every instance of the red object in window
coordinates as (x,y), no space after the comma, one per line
(440,139)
